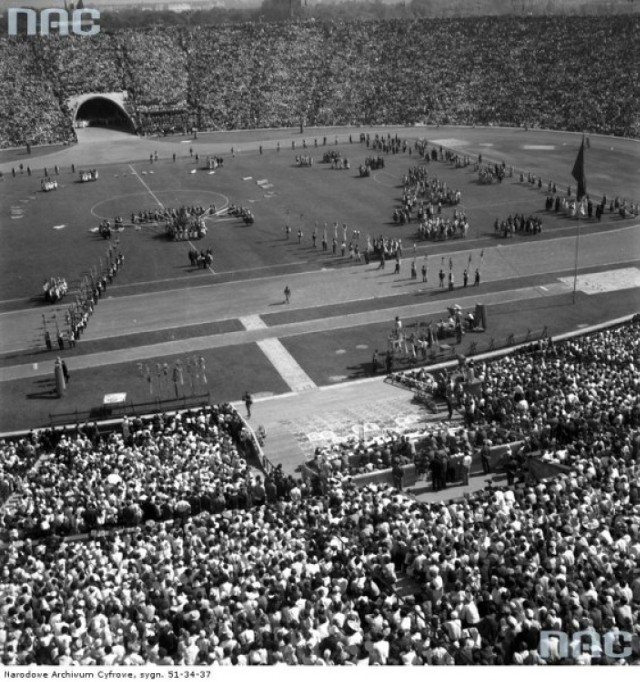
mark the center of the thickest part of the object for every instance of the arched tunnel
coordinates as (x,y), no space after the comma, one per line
(104,113)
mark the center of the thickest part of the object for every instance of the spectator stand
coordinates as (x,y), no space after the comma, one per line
(177,461)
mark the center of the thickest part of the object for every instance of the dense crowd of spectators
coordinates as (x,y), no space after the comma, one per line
(32,110)
(296,575)
(571,390)
(334,73)
(311,581)
(171,467)
(573,400)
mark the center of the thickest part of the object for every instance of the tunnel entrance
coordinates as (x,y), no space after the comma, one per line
(101,112)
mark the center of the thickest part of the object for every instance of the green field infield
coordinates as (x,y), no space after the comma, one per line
(345,354)
(230,371)
(54,233)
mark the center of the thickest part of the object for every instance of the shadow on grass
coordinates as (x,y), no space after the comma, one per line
(48,393)
(361,370)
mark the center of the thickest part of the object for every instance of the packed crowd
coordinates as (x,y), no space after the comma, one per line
(352,457)
(556,393)
(577,388)
(33,112)
(325,73)
(166,468)
(291,576)
(311,581)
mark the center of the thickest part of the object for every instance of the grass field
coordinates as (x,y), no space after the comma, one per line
(160,309)
(62,223)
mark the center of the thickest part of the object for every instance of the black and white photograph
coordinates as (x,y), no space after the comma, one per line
(349,291)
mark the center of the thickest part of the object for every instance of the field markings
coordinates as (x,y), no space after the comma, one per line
(269,339)
(286,366)
(252,322)
(162,206)
(144,184)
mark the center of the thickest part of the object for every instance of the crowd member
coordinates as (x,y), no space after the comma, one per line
(253,75)
(308,579)
(554,392)
(312,581)
(578,387)
(129,478)
(354,457)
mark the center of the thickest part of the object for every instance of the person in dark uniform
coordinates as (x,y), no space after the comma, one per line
(248,401)
(65,371)
(375,363)
(47,340)
(397,473)
(389,362)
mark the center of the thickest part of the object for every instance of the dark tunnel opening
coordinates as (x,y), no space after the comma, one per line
(103,113)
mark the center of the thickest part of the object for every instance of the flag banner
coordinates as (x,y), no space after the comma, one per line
(578,173)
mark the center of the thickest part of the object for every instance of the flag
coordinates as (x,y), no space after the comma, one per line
(578,173)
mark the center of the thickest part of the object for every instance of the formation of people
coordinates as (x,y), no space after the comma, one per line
(91,289)
(54,289)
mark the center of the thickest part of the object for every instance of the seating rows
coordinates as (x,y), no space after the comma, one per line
(489,71)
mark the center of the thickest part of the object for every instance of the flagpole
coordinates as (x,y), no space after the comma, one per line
(575,265)
(578,175)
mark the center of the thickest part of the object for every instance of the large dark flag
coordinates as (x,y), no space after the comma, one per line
(578,173)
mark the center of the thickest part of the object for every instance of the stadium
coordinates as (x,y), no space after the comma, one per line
(319,344)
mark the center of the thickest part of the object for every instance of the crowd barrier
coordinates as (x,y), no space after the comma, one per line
(129,408)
